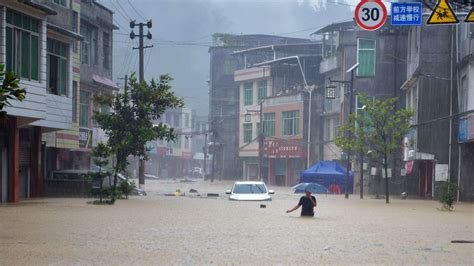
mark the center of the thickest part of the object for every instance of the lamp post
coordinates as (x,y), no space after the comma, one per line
(310,91)
(351,96)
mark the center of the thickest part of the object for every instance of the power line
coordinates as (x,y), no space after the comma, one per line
(134,9)
(124,11)
(118,11)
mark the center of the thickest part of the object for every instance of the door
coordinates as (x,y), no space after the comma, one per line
(426,178)
(3,175)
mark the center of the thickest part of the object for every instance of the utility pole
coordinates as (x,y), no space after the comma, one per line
(205,155)
(351,96)
(261,139)
(141,78)
(125,82)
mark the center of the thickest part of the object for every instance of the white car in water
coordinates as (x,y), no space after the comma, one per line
(250,191)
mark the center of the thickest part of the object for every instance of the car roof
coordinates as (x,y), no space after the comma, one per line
(249,183)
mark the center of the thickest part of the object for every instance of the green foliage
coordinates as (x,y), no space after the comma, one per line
(10,90)
(448,191)
(131,125)
(126,187)
(380,128)
(100,153)
(223,39)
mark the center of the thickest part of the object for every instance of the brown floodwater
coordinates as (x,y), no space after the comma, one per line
(157,229)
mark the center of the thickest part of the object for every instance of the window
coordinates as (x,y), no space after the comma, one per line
(331,128)
(464,95)
(366,57)
(106,50)
(247,132)
(269,124)
(74,101)
(262,89)
(230,65)
(186,120)
(176,120)
(335,127)
(59,2)
(57,64)
(84,109)
(327,129)
(248,93)
(186,142)
(75,21)
(177,142)
(75,28)
(22,45)
(89,44)
(168,119)
(290,123)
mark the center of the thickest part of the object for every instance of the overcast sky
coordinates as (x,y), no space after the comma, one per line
(182,32)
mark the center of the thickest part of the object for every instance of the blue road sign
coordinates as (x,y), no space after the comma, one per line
(406,14)
(462,134)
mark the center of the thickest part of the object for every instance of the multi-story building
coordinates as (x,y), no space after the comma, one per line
(96,27)
(48,44)
(428,91)
(465,99)
(285,148)
(381,57)
(255,85)
(200,139)
(275,71)
(224,94)
(173,159)
(40,51)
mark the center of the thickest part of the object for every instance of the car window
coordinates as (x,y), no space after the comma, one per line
(249,189)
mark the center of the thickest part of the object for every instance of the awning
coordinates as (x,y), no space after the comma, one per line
(104,82)
(40,6)
(63,31)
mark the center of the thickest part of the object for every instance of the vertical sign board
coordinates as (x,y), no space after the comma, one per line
(85,138)
(462,135)
(407,14)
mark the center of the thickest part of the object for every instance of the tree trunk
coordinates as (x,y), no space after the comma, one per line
(115,184)
(101,185)
(386,181)
(361,176)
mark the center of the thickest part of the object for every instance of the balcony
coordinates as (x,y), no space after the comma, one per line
(329,64)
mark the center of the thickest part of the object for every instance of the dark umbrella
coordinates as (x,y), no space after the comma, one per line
(311,187)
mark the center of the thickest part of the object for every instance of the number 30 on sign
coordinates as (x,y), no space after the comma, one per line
(370,14)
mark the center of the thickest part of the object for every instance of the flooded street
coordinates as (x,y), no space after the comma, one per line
(158,229)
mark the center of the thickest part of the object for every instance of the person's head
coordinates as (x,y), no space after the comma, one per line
(307,193)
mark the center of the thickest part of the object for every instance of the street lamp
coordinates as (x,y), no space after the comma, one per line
(351,96)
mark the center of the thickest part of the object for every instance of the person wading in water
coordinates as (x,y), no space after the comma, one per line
(308,202)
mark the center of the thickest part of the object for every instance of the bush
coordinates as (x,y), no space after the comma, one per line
(448,192)
(126,187)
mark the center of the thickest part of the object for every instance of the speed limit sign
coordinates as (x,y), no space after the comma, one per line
(370,14)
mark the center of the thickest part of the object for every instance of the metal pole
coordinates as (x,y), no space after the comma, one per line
(141,163)
(309,129)
(205,156)
(346,185)
(260,143)
(459,170)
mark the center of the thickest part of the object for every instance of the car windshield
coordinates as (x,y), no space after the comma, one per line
(249,189)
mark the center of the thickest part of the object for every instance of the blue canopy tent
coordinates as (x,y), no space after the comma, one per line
(329,174)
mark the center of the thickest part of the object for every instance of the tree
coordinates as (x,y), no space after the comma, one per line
(358,144)
(10,90)
(380,130)
(131,125)
(100,154)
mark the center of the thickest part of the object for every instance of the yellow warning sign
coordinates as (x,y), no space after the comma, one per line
(470,16)
(442,14)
